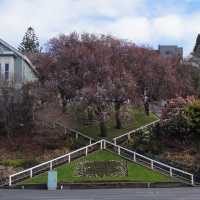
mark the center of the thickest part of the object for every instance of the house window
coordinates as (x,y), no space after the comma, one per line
(6,71)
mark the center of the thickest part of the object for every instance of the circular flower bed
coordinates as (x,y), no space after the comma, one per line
(102,168)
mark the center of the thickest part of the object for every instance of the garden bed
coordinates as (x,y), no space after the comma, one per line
(100,168)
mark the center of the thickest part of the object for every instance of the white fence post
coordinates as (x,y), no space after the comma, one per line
(90,141)
(10,180)
(192,179)
(134,157)
(69,158)
(104,146)
(151,164)
(170,171)
(101,145)
(86,151)
(31,173)
(115,141)
(51,165)
(119,150)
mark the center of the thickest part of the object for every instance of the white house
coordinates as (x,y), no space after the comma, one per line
(15,67)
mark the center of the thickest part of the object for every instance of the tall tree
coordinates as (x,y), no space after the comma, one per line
(102,72)
(30,42)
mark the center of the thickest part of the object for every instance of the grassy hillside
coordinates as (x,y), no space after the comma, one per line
(136,173)
(138,118)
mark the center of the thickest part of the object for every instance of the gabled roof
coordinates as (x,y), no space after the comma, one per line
(33,68)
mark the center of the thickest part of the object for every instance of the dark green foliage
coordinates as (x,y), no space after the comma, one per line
(182,126)
(146,142)
(78,143)
(12,163)
(192,113)
(30,42)
(19,163)
(175,128)
(30,163)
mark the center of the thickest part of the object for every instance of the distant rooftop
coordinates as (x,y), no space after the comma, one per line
(170,50)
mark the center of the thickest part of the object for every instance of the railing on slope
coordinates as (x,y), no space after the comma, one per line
(127,135)
(49,165)
(104,144)
(76,134)
(150,163)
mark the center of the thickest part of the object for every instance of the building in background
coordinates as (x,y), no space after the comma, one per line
(170,51)
(15,67)
(194,58)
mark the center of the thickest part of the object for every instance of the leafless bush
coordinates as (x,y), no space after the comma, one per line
(16,110)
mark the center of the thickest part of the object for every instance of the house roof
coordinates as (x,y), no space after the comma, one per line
(33,68)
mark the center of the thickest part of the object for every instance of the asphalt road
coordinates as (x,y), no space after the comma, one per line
(104,194)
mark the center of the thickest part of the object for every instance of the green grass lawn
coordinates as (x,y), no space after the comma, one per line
(136,173)
(139,119)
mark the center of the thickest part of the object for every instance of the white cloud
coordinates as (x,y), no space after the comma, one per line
(127,19)
(137,29)
(169,26)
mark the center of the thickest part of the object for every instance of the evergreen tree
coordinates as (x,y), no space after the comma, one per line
(30,42)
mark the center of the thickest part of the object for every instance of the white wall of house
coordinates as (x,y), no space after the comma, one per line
(28,74)
(20,68)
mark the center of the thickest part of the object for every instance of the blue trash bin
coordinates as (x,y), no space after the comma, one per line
(52,180)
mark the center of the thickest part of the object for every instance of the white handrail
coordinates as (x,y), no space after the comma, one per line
(135,130)
(50,161)
(104,146)
(70,129)
(152,161)
(81,134)
(73,130)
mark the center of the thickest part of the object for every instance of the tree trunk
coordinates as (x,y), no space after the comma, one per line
(64,104)
(117,116)
(90,114)
(103,128)
(146,108)
(63,98)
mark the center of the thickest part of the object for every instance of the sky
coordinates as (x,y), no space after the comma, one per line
(144,22)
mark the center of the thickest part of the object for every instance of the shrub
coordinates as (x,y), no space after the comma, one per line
(192,114)
(16,110)
(19,163)
(51,145)
(29,163)
(13,163)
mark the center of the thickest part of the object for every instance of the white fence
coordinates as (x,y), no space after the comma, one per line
(127,135)
(103,144)
(150,163)
(49,165)
(76,134)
